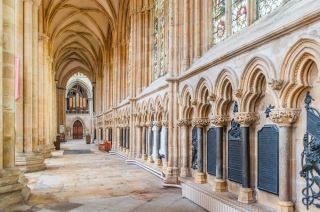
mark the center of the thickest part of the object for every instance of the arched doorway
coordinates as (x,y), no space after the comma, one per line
(77,130)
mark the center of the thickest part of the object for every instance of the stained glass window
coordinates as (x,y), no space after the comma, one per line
(159,39)
(239,15)
(264,7)
(219,20)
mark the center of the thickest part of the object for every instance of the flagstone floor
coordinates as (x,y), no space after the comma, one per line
(95,181)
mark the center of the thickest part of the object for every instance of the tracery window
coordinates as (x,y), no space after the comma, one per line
(239,15)
(77,100)
(264,7)
(159,39)
(219,21)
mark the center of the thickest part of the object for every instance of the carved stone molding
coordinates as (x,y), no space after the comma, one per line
(137,124)
(184,123)
(220,120)
(285,117)
(200,122)
(245,119)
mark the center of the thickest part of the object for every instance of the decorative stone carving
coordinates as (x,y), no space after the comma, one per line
(284,117)
(200,122)
(212,98)
(157,124)
(137,124)
(245,119)
(238,93)
(276,84)
(184,123)
(220,120)
(142,124)
(149,124)
(165,124)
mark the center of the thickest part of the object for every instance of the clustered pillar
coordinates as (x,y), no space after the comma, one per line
(184,125)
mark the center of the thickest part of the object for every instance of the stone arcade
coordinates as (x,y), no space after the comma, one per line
(220,97)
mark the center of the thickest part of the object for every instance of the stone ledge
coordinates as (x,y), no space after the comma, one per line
(202,195)
(31,162)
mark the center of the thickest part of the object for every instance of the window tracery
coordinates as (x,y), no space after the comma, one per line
(264,7)
(219,21)
(77,100)
(239,15)
(159,69)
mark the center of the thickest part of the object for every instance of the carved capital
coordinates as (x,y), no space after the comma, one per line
(165,124)
(184,123)
(149,124)
(245,119)
(220,120)
(285,117)
(200,122)
(157,124)
(137,124)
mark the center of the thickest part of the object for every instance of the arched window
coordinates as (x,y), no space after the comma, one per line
(239,15)
(219,21)
(77,100)
(264,7)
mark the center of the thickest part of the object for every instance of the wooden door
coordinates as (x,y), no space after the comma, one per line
(77,130)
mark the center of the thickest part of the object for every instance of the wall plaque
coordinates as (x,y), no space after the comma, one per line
(234,153)
(268,159)
(211,151)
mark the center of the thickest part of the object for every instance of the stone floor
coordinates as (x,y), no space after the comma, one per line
(98,181)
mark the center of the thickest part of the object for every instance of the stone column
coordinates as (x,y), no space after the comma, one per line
(186,35)
(139,139)
(30,158)
(199,124)
(150,142)
(219,122)
(144,141)
(128,139)
(13,187)
(157,139)
(165,135)
(124,136)
(246,119)
(197,28)
(184,125)
(285,118)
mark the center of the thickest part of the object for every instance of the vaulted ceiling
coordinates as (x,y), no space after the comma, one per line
(80,33)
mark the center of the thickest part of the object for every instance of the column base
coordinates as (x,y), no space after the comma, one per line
(200,178)
(150,159)
(138,156)
(158,162)
(13,187)
(145,157)
(30,162)
(220,185)
(47,152)
(185,172)
(246,195)
(172,176)
(285,206)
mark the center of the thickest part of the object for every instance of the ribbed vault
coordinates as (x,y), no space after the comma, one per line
(79,34)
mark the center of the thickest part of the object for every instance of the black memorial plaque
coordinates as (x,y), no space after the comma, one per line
(211,151)
(268,159)
(234,153)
